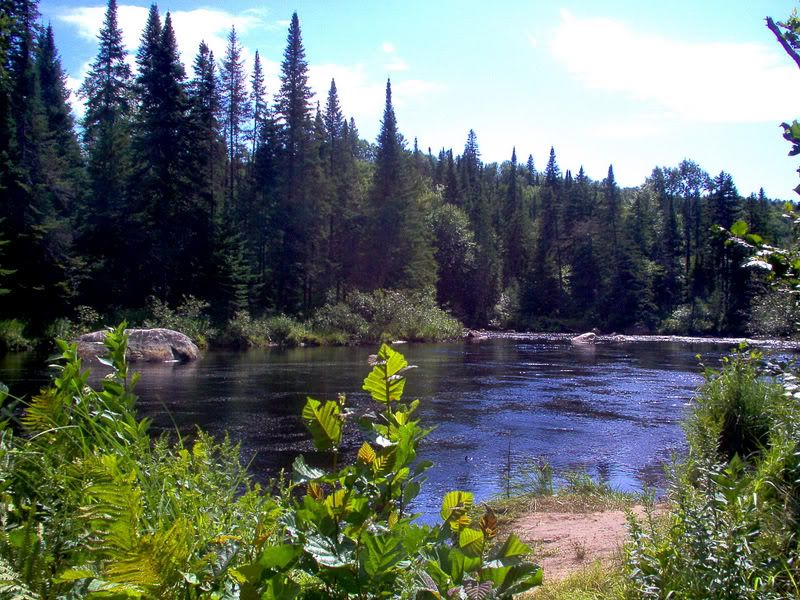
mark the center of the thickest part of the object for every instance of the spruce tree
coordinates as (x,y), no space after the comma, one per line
(296,212)
(400,254)
(293,106)
(258,99)
(236,109)
(38,183)
(104,232)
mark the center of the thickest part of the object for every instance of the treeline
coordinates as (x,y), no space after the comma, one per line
(202,185)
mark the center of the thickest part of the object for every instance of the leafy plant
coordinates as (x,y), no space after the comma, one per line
(352,530)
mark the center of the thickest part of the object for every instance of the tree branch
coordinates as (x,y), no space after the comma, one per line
(786,46)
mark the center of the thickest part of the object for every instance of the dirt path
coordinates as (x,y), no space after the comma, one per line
(565,542)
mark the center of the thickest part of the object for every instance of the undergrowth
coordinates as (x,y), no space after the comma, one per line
(92,506)
(731,528)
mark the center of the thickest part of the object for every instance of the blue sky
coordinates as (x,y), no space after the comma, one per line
(636,84)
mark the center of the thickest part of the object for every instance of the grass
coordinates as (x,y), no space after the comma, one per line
(594,582)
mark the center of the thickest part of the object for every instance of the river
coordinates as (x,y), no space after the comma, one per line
(613,410)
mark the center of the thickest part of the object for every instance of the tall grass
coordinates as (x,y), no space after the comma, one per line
(731,530)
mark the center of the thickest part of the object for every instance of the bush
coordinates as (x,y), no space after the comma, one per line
(340,319)
(86,319)
(688,319)
(774,314)
(731,531)
(12,336)
(242,331)
(404,315)
(189,317)
(93,507)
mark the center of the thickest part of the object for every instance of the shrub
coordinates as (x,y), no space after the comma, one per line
(340,318)
(12,336)
(731,531)
(93,507)
(189,317)
(286,331)
(242,331)
(404,315)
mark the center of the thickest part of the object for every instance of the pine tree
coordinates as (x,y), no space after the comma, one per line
(401,254)
(296,211)
(38,184)
(237,111)
(104,231)
(293,105)
(258,98)
(207,147)
(612,206)
(165,208)
(515,226)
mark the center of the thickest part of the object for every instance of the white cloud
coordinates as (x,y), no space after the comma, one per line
(76,103)
(396,63)
(702,81)
(191,27)
(364,98)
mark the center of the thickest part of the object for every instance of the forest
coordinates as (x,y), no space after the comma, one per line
(200,191)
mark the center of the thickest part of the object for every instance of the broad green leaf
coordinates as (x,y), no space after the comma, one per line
(386,381)
(302,473)
(471,541)
(336,503)
(739,228)
(366,454)
(513,547)
(325,423)
(455,503)
(521,578)
(278,557)
(383,552)
(326,552)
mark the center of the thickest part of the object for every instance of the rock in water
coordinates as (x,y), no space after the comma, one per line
(584,339)
(148,345)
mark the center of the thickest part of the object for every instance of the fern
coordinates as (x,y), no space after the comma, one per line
(12,586)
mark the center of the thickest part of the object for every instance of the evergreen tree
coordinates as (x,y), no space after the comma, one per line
(207,147)
(515,227)
(334,128)
(237,111)
(37,183)
(258,98)
(293,106)
(401,254)
(104,231)
(611,199)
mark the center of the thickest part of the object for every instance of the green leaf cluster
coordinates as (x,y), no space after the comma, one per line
(92,506)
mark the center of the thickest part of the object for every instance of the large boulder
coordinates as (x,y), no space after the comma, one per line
(148,345)
(585,339)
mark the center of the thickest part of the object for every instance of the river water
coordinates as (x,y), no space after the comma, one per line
(613,410)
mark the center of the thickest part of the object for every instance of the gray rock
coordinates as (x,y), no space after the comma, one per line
(585,339)
(147,345)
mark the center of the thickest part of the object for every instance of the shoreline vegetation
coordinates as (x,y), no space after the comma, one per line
(367,318)
(727,522)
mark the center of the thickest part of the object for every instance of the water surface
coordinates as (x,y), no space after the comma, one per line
(611,409)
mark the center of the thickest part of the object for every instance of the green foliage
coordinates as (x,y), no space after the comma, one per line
(351,530)
(12,336)
(730,532)
(189,317)
(92,506)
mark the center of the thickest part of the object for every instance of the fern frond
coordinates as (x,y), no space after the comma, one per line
(11,584)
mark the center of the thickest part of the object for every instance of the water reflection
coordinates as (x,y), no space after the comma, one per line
(611,409)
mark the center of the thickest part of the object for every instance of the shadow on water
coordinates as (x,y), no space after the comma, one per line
(614,410)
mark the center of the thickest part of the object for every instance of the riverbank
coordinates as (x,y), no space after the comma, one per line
(577,534)
(613,338)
